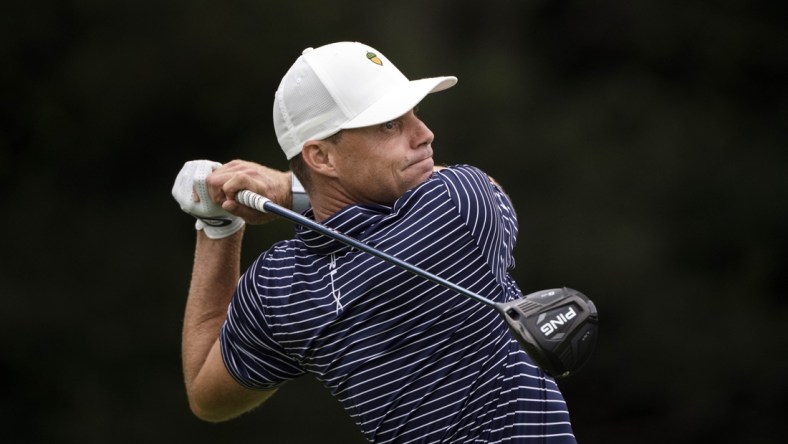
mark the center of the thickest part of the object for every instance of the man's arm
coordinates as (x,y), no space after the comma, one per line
(213,393)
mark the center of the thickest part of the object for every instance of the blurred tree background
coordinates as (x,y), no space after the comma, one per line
(644,144)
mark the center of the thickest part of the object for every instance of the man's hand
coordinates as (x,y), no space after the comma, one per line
(191,192)
(227,180)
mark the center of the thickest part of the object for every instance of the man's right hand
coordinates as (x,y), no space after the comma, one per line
(237,175)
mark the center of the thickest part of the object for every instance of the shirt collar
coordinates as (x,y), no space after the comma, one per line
(353,221)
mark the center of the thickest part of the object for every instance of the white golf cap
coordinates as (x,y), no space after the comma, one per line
(340,86)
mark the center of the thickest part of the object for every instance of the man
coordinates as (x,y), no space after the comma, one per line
(408,360)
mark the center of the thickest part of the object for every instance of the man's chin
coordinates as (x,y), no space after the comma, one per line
(424,166)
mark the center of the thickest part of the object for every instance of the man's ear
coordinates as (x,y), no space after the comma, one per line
(318,155)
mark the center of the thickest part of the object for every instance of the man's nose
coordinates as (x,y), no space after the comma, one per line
(422,135)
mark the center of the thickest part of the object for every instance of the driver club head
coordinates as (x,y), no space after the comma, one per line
(558,328)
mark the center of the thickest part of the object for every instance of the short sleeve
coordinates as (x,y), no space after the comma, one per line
(249,350)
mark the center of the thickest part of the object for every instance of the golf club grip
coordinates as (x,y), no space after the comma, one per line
(260,203)
(252,200)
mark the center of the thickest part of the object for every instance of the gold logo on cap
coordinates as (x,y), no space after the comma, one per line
(374,58)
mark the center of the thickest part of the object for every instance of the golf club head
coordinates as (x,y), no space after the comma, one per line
(556,327)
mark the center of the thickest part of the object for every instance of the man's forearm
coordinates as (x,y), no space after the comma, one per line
(214,276)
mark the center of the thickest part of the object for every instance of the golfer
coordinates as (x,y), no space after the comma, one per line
(408,360)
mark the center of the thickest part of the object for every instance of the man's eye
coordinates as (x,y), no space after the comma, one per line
(389,124)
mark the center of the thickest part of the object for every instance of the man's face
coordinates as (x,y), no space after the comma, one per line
(378,164)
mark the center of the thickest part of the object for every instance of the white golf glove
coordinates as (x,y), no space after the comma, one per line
(215,221)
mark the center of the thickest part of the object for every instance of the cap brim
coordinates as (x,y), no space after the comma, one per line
(400,101)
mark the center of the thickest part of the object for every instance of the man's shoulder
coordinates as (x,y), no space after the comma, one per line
(459,169)
(281,254)
(461,177)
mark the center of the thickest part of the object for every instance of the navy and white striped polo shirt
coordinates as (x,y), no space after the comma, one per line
(409,361)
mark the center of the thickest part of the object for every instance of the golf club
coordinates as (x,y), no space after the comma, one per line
(556,327)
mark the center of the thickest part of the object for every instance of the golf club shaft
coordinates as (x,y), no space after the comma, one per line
(260,203)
